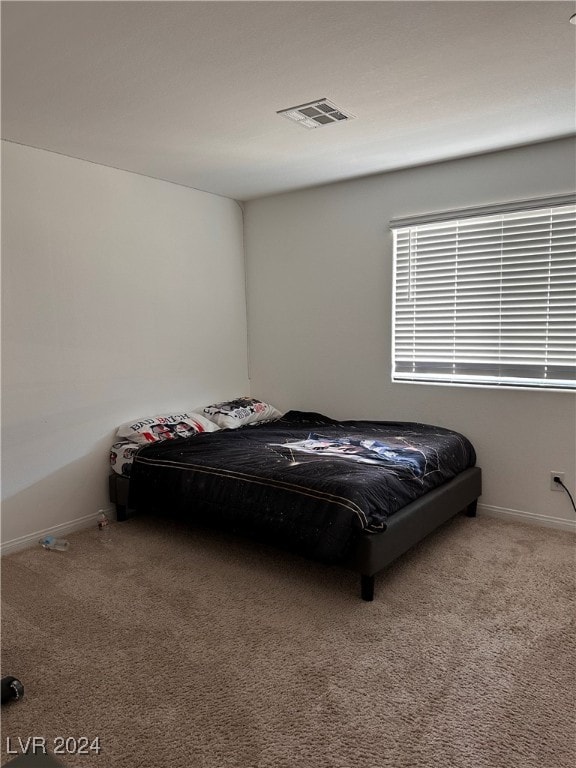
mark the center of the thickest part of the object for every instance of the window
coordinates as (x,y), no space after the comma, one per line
(487,297)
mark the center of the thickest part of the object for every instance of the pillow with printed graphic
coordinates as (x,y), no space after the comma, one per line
(237,413)
(167,426)
(122,455)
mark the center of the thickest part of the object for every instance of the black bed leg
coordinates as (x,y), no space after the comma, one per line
(118,491)
(367,587)
(471,509)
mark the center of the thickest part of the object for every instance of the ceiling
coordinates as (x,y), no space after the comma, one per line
(188,91)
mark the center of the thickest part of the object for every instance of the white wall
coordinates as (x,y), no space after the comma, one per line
(123,297)
(319,267)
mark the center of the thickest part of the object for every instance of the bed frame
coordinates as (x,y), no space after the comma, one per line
(374,551)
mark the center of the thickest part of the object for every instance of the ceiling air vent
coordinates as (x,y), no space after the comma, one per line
(315,113)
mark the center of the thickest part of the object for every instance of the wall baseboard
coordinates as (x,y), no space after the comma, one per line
(32,539)
(516,515)
(530,518)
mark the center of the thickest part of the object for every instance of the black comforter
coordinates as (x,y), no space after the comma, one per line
(304,482)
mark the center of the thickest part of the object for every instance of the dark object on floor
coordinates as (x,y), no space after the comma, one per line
(12,689)
(34,760)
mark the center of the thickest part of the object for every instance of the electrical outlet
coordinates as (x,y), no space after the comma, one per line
(556,486)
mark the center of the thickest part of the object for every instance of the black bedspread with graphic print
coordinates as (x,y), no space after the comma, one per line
(303,482)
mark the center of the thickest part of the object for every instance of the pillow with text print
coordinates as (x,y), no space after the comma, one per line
(237,413)
(167,426)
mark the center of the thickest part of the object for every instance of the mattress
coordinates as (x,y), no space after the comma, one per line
(305,482)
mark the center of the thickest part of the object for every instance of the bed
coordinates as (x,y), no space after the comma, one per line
(354,493)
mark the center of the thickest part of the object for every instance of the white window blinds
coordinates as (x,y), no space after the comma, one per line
(487,299)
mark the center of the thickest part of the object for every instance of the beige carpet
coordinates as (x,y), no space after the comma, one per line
(179,648)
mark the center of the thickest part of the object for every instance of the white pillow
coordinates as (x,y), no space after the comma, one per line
(167,426)
(237,413)
(122,455)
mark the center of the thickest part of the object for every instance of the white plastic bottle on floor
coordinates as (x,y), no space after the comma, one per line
(49,542)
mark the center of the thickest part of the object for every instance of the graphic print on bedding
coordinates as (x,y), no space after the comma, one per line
(121,457)
(399,457)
